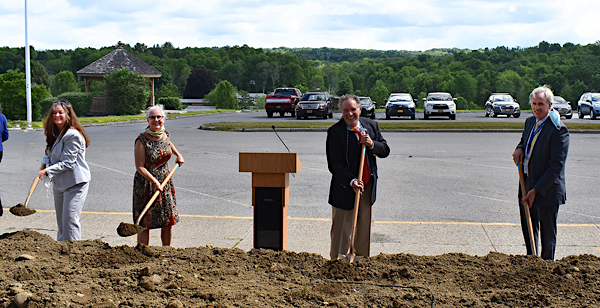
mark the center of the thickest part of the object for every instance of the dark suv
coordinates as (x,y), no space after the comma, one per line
(502,103)
(315,104)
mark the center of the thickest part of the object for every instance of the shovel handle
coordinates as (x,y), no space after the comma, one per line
(526,209)
(155,195)
(33,186)
(357,202)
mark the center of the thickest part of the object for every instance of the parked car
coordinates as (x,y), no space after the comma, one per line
(315,104)
(439,104)
(282,101)
(399,105)
(368,107)
(563,107)
(502,103)
(589,103)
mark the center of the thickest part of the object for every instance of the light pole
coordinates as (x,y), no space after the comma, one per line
(27,73)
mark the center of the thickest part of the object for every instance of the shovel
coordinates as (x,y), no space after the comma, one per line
(127,229)
(527,213)
(351,255)
(21,209)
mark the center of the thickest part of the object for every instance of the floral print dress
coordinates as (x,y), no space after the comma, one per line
(163,212)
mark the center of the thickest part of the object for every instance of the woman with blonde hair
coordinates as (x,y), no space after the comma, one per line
(66,142)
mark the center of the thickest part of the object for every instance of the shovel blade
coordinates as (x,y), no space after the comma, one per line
(125,229)
(21,210)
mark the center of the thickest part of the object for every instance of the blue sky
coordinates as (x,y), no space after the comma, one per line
(374,24)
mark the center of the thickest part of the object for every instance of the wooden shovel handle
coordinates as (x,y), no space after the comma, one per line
(33,186)
(162,185)
(357,199)
(526,208)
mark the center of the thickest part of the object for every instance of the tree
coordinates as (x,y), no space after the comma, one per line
(38,73)
(345,86)
(14,98)
(199,83)
(128,92)
(223,96)
(168,90)
(462,84)
(379,93)
(63,82)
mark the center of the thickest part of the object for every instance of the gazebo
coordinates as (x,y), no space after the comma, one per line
(116,60)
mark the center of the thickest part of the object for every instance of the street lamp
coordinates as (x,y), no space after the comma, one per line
(27,73)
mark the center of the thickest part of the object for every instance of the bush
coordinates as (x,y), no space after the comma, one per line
(260,102)
(128,92)
(223,96)
(80,101)
(46,103)
(463,104)
(246,102)
(13,96)
(171,103)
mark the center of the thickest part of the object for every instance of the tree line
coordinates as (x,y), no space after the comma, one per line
(470,75)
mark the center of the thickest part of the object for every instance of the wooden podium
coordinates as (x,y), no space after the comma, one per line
(270,195)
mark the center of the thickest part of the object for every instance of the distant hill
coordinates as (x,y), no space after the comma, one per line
(351,55)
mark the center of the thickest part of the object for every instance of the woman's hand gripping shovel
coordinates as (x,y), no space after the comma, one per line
(127,229)
(21,209)
(526,210)
(351,255)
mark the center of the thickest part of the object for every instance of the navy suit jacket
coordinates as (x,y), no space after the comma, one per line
(547,163)
(343,160)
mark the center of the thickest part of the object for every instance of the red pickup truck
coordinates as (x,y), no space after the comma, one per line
(282,100)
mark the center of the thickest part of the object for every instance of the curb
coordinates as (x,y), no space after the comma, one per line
(450,130)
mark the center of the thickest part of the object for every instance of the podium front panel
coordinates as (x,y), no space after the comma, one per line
(269,213)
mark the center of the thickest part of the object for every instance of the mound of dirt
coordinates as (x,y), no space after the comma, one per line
(37,271)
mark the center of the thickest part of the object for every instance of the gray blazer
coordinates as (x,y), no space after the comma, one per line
(66,164)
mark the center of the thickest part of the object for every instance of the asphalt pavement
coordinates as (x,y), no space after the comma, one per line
(439,193)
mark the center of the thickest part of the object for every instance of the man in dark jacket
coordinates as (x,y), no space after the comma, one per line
(344,144)
(543,152)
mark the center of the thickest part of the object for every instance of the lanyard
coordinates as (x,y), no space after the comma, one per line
(531,137)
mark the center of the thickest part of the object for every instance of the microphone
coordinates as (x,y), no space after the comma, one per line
(273,127)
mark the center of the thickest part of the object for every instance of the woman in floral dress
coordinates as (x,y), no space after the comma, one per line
(153,149)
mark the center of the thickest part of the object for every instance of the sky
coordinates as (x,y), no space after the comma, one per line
(364,24)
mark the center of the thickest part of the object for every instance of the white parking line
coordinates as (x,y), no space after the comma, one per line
(488,198)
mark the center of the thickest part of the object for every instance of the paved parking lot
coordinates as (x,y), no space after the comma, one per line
(439,192)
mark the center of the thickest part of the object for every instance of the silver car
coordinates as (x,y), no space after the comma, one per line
(563,107)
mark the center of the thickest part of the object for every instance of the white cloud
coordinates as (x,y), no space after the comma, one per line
(375,24)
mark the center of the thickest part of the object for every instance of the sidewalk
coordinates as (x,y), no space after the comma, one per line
(312,235)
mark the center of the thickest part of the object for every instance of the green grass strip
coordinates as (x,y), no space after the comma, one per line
(390,125)
(109,119)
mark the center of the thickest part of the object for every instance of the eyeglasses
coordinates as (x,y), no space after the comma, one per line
(158,118)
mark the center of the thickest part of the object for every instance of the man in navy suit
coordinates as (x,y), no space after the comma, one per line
(344,143)
(543,152)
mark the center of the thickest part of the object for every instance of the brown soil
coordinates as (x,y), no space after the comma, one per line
(21,210)
(93,274)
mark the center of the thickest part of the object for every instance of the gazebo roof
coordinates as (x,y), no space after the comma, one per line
(116,60)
